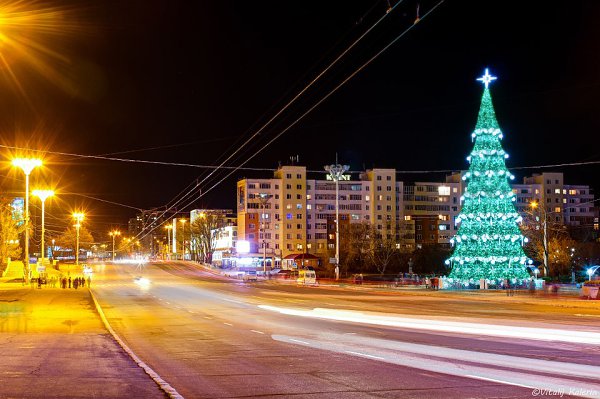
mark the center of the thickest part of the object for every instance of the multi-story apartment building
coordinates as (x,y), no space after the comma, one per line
(569,205)
(290,214)
(430,211)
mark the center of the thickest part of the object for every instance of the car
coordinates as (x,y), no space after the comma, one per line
(250,276)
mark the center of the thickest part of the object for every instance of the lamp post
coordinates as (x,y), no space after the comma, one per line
(591,270)
(26,165)
(182,221)
(43,195)
(113,234)
(169,227)
(335,172)
(264,199)
(534,206)
(78,216)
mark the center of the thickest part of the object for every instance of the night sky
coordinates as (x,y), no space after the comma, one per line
(188,82)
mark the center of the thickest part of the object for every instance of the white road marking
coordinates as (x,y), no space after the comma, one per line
(168,303)
(498,381)
(258,332)
(365,355)
(297,340)
(231,300)
(228,324)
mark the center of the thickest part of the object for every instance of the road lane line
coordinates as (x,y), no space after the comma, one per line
(231,300)
(297,340)
(162,384)
(228,324)
(258,332)
(498,381)
(366,355)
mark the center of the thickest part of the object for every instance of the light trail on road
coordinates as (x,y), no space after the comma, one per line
(540,334)
(509,370)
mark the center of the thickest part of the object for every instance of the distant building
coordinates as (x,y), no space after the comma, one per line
(565,204)
(290,214)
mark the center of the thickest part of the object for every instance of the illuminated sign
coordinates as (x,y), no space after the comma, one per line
(242,247)
(342,177)
(18,210)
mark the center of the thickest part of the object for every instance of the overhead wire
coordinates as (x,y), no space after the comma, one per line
(331,92)
(277,114)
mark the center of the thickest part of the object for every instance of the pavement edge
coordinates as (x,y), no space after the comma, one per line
(162,384)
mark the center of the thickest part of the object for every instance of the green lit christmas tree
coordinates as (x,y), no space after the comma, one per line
(489,243)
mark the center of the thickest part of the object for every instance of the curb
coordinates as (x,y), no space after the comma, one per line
(162,384)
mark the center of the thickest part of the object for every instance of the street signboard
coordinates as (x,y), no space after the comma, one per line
(333,261)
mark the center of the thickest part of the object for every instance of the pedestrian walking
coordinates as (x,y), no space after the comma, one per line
(83,282)
(76,282)
(69,281)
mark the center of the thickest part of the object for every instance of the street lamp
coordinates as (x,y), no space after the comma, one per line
(113,234)
(534,206)
(182,221)
(43,195)
(169,227)
(264,199)
(335,172)
(26,165)
(78,216)
(591,270)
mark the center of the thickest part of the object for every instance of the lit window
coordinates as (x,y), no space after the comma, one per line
(557,209)
(557,191)
(407,217)
(288,216)
(308,206)
(444,190)
(367,198)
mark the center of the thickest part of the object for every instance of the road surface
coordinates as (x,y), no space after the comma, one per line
(213,337)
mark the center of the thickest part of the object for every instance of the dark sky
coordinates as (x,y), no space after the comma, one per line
(194,78)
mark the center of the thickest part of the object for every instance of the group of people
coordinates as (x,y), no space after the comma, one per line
(63,282)
(75,282)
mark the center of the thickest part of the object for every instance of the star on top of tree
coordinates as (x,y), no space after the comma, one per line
(487,78)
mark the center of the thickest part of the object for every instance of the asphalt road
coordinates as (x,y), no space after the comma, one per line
(214,337)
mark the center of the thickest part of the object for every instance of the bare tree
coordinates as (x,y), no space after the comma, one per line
(9,233)
(382,250)
(68,239)
(354,247)
(203,235)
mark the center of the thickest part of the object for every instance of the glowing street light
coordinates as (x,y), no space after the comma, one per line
(26,165)
(336,172)
(113,234)
(43,195)
(169,227)
(534,206)
(590,271)
(78,216)
(182,221)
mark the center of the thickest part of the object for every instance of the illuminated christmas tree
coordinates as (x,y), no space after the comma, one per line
(489,243)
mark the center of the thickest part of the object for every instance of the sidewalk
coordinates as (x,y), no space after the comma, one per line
(53,345)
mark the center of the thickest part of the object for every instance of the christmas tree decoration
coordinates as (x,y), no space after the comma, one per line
(489,243)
